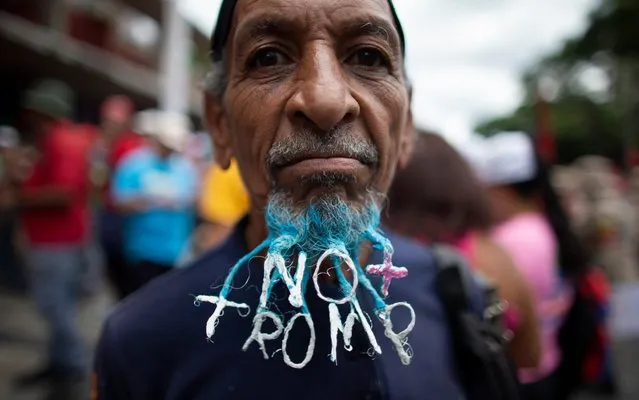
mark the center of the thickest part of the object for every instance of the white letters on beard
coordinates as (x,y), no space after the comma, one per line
(275,270)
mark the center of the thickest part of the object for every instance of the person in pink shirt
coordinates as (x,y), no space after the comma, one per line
(534,229)
(437,199)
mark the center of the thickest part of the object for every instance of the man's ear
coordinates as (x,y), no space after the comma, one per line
(407,142)
(216,124)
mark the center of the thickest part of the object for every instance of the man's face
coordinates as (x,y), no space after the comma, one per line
(316,100)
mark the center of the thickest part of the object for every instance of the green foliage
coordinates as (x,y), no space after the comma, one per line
(581,127)
(614,27)
(581,124)
(520,120)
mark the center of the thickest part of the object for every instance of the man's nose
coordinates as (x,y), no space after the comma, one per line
(322,95)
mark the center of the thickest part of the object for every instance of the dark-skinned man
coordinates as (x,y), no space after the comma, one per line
(311,98)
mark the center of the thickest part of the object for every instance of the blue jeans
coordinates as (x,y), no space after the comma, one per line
(55,273)
(91,281)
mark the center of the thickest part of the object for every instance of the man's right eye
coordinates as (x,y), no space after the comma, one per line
(267,57)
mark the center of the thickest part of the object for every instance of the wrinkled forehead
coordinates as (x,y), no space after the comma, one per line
(239,18)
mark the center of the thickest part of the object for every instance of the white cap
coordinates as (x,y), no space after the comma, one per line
(172,130)
(502,159)
(144,121)
(169,128)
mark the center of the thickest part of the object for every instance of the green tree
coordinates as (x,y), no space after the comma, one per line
(583,122)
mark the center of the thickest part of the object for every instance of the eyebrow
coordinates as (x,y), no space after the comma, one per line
(372,26)
(263,26)
(279,25)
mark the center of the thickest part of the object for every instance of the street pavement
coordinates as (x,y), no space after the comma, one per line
(23,338)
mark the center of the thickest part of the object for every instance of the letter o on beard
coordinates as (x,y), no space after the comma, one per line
(311,343)
(349,262)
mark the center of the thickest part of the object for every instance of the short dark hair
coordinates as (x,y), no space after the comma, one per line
(439,184)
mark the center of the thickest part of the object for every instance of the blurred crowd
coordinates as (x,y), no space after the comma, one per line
(603,203)
(129,199)
(551,238)
(140,194)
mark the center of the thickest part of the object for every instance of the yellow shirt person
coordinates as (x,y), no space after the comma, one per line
(223,202)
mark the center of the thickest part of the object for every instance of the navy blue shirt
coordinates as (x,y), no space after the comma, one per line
(154,345)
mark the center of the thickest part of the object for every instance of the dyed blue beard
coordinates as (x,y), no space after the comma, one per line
(300,240)
(327,222)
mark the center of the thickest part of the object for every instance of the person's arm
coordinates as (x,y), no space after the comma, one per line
(109,379)
(496,264)
(125,189)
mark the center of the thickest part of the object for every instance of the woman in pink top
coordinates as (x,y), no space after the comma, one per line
(436,198)
(534,229)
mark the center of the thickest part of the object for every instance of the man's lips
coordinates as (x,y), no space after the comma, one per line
(303,157)
(323,164)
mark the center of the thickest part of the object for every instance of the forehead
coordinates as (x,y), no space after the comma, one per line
(311,14)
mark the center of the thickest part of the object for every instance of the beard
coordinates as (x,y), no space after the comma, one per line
(326,221)
(326,229)
(304,236)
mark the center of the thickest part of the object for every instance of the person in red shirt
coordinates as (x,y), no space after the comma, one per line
(116,141)
(55,217)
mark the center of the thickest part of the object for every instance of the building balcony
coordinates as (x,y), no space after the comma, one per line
(88,61)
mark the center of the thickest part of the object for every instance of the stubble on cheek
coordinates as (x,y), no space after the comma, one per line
(254,124)
(386,121)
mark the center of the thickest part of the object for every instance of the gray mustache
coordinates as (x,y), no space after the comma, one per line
(307,143)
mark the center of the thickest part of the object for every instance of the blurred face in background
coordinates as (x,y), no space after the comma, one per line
(116,116)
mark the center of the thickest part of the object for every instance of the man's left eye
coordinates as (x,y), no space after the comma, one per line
(368,57)
(267,57)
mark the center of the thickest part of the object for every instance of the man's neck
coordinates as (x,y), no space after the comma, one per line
(256,231)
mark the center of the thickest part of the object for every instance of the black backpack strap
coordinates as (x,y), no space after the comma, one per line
(479,339)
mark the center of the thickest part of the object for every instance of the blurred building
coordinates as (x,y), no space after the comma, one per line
(99,47)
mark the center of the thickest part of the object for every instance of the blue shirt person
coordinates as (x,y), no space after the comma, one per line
(156,187)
